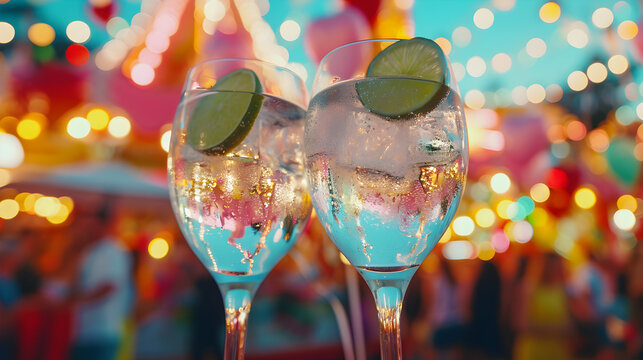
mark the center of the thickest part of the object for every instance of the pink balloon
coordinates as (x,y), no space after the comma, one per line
(235,45)
(325,34)
(149,107)
(525,136)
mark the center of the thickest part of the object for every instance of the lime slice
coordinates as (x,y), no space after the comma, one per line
(389,88)
(222,120)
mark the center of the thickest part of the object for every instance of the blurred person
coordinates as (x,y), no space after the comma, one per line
(617,318)
(447,314)
(483,333)
(592,292)
(15,250)
(103,294)
(8,295)
(513,298)
(635,295)
(35,318)
(544,326)
(27,317)
(208,319)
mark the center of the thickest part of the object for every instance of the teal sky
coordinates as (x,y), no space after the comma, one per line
(510,32)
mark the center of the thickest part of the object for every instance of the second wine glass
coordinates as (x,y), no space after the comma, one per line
(386,152)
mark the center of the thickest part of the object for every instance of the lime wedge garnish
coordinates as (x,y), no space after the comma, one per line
(387,89)
(222,120)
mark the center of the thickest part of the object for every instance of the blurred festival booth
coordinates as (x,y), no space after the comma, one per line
(553,92)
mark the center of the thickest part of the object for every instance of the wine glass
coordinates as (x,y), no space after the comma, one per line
(236,176)
(386,156)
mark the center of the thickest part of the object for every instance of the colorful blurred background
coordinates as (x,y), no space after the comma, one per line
(543,259)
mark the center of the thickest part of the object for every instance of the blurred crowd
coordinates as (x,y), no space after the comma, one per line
(83,293)
(530,307)
(75,293)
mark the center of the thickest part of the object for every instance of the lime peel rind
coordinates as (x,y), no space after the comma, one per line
(388,89)
(221,120)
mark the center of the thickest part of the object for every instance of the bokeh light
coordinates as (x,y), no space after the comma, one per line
(500,241)
(519,95)
(618,64)
(556,133)
(577,38)
(501,63)
(503,5)
(77,54)
(444,44)
(158,248)
(115,25)
(502,208)
(539,217)
(500,183)
(627,30)
(598,139)
(483,18)
(536,47)
(67,202)
(457,250)
(7,32)
(12,153)
(576,130)
(631,91)
(98,118)
(28,129)
(597,72)
(522,231)
(549,12)
(78,127)
(41,34)
(624,219)
(627,202)
(476,66)
(214,10)
(577,81)
(9,209)
(61,215)
(142,74)
(561,149)
(46,206)
(625,115)
(485,251)
(485,217)
(78,31)
(29,202)
(521,208)
(459,71)
(463,226)
(165,140)
(119,126)
(5,177)
(539,192)
(461,36)
(585,198)
(557,178)
(602,18)
(290,30)
(536,93)
(554,93)
(474,99)
(446,237)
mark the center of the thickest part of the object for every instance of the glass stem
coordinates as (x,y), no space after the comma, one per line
(237,308)
(388,300)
